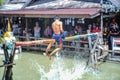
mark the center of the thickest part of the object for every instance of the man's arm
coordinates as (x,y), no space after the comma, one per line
(61,27)
(115,33)
(53,26)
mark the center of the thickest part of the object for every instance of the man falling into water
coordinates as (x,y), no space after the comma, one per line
(58,34)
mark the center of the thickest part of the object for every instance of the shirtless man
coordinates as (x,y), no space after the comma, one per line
(57,35)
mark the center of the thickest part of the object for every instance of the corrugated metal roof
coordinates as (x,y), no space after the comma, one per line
(12,6)
(54,4)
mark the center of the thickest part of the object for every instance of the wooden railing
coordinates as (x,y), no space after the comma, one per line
(115,45)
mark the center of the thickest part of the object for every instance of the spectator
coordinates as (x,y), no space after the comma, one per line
(24,34)
(105,35)
(48,32)
(29,32)
(37,30)
(114,23)
(114,32)
(15,28)
(95,29)
(77,30)
(90,27)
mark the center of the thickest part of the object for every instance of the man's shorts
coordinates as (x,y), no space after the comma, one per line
(64,34)
(58,38)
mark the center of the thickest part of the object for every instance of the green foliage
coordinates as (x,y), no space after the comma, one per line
(1,1)
(17,39)
(1,40)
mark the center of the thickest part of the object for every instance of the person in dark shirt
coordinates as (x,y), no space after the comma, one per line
(114,32)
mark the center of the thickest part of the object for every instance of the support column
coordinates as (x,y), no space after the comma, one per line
(101,20)
(27,37)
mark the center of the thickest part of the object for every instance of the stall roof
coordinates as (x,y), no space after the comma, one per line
(76,13)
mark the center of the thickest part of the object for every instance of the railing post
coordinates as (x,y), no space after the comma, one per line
(90,48)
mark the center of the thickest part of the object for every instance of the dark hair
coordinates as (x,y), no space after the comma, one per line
(56,17)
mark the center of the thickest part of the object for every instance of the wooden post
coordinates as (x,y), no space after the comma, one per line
(92,57)
(27,33)
(93,53)
(90,48)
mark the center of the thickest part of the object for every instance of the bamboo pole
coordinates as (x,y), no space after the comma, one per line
(29,43)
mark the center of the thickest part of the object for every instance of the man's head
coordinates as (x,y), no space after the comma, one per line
(57,17)
(113,20)
(37,23)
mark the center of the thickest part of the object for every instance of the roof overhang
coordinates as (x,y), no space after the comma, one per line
(64,13)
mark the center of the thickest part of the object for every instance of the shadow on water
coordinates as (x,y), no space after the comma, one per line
(34,66)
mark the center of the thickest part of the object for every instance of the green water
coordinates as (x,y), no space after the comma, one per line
(25,67)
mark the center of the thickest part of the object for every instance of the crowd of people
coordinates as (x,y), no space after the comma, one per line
(110,30)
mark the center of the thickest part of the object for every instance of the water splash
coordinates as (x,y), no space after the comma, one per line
(59,72)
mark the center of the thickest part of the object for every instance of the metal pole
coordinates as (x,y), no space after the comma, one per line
(101,23)
(101,18)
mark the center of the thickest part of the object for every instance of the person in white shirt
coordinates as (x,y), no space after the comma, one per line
(15,28)
(37,30)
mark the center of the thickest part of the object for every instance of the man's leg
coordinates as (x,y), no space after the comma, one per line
(48,48)
(55,51)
